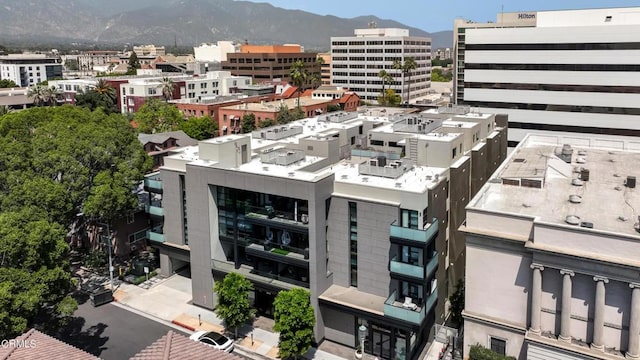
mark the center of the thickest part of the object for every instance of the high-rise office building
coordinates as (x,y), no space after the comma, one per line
(356,62)
(563,71)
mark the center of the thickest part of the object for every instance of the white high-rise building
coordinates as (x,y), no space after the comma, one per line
(562,71)
(29,69)
(357,60)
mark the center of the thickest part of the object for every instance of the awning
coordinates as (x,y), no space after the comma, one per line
(224,128)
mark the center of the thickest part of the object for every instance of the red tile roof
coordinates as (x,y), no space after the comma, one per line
(346,97)
(289,92)
(35,345)
(174,346)
(307,93)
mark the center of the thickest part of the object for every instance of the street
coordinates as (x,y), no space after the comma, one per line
(110,332)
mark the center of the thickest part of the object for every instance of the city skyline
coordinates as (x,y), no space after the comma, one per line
(421,16)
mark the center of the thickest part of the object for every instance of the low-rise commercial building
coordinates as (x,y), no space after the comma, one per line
(553,247)
(30,69)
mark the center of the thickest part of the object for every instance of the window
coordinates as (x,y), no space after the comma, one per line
(454,153)
(376,143)
(409,218)
(131,218)
(353,242)
(135,237)
(607,19)
(498,345)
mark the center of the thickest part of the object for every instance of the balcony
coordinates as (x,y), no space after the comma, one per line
(393,307)
(153,184)
(155,236)
(281,254)
(155,211)
(414,271)
(423,237)
(267,215)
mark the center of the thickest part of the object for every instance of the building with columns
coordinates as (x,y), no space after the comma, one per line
(553,252)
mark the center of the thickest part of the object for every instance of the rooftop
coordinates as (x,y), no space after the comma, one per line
(174,346)
(36,345)
(596,189)
(274,106)
(413,179)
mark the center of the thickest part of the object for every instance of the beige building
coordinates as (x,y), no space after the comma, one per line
(553,252)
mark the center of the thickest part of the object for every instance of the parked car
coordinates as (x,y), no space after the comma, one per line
(213,339)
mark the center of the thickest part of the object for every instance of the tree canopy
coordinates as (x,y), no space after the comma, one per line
(438,75)
(233,305)
(6,83)
(200,128)
(294,320)
(55,163)
(102,95)
(248,123)
(156,116)
(390,98)
(133,64)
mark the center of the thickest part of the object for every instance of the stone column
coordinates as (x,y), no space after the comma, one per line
(633,352)
(598,316)
(536,293)
(565,316)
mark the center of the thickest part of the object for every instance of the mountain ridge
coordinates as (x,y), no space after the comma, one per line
(165,22)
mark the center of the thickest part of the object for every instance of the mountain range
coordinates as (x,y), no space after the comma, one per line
(182,22)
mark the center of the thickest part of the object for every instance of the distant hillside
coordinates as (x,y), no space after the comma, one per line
(185,22)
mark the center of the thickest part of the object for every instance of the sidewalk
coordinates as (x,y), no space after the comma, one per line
(170,300)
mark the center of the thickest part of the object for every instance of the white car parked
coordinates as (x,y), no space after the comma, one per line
(213,339)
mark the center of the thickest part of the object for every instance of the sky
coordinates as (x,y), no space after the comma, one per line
(438,15)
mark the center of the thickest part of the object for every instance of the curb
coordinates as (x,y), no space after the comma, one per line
(191,328)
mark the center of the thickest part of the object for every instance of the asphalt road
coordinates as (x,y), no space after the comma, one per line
(110,332)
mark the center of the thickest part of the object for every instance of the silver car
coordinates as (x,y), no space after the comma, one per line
(213,339)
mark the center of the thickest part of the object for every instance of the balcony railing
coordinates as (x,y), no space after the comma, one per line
(401,268)
(153,185)
(422,236)
(154,236)
(431,300)
(246,240)
(154,210)
(395,309)
(270,213)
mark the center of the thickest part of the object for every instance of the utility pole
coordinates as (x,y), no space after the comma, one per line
(109,245)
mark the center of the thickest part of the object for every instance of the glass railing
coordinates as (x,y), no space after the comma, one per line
(406,269)
(395,309)
(432,264)
(273,246)
(269,212)
(431,300)
(154,210)
(423,236)
(153,184)
(154,236)
(280,278)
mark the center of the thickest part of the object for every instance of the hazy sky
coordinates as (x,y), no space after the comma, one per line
(436,15)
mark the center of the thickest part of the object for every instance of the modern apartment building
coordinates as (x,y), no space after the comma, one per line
(564,71)
(356,207)
(553,249)
(29,69)
(265,63)
(357,60)
(215,83)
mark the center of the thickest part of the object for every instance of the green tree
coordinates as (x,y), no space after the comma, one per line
(34,277)
(6,83)
(248,123)
(133,63)
(477,352)
(4,109)
(333,108)
(294,320)
(266,123)
(43,95)
(284,116)
(233,305)
(71,64)
(390,98)
(406,68)
(102,95)
(200,128)
(457,303)
(156,116)
(299,76)
(167,86)
(386,79)
(437,75)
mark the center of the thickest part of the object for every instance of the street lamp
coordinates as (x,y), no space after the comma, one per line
(109,247)
(362,331)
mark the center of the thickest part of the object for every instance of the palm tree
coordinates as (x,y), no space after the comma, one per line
(167,88)
(406,68)
(39,94)
(299,76)
(4,109)
(107,94)
(386,79)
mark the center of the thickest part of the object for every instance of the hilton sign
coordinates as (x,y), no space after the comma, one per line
(525,16)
